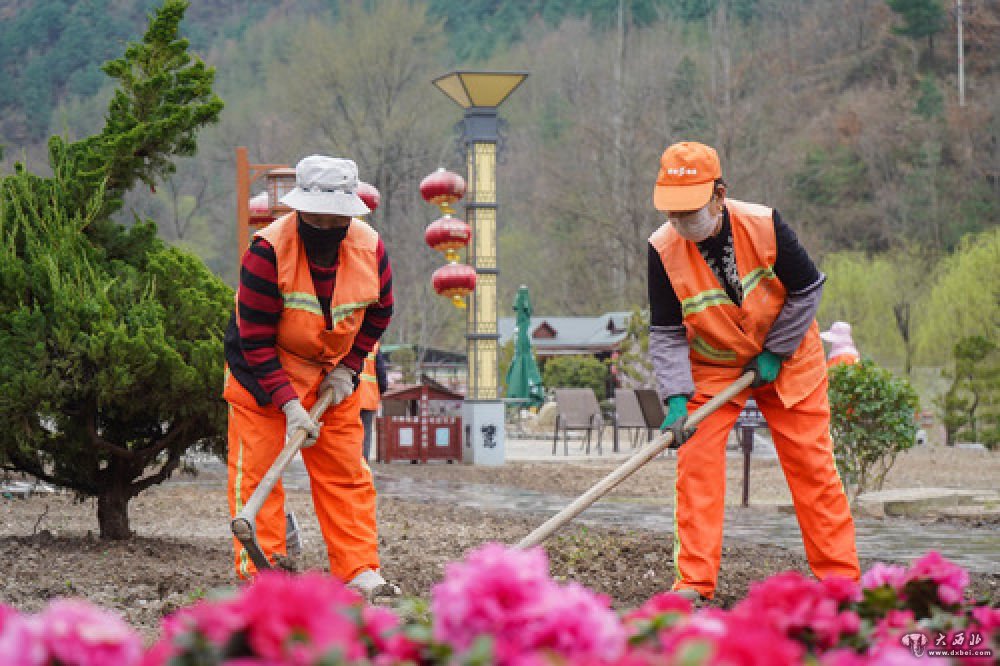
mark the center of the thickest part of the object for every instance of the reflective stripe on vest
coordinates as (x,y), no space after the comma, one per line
(708,351)
(300,301)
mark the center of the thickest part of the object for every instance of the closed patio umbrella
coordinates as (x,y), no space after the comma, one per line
(524,382)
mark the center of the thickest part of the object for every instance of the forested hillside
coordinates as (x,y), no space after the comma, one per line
(843,115)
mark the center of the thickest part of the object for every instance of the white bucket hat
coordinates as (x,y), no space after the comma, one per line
(326,185)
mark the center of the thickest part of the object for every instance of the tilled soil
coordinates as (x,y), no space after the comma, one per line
(182,550)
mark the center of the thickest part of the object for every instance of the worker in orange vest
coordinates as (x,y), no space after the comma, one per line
(315,295)
(731,289)
(842,349)
(370,389)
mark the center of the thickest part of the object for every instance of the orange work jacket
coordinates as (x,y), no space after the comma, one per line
(307,349)
(368,393)
(725,337)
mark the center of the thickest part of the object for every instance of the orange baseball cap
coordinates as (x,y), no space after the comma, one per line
(688,171)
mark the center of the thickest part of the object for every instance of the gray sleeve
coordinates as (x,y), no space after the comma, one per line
(668,350)
(794,320)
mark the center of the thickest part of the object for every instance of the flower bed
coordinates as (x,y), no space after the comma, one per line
(501,606)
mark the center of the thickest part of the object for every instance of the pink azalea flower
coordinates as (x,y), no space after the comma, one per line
(576,624)
(641,657)
(77,633)
(893,654)
(951,579)
(216,619)
(987,618)
(487,592)
(666,602)
(802,609)
(533,659)
(160,653)
(895,623)
(507,594)
(298,619)
(21,642)
(728,638)
(884,574)
(889,655)
(382,627)
(6,612)
(841,589)
(985,622)
(844,657)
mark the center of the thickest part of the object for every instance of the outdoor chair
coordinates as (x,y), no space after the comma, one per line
(630,418)
(652,407)
(652,411)
(577,409)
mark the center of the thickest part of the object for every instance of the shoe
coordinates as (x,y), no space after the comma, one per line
(371,585)
(691,594)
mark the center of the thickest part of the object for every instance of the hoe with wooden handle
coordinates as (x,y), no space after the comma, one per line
(641,457)
(243,525)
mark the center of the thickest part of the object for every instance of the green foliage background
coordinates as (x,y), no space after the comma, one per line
(971,406)
(576,372)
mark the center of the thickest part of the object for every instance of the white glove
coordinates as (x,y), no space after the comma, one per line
(341,380)
(296,418)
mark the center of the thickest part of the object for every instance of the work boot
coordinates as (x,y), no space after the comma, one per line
(371,585)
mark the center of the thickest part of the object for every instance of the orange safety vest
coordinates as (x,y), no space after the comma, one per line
(306,347)
(368,393)
(725,337)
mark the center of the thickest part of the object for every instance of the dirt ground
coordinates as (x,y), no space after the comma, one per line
(48,546)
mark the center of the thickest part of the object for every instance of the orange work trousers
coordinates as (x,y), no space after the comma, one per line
(805,450)
(343,490)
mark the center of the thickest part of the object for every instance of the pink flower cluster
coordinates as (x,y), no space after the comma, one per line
(288,620)
(947,579)
(813,612)
(508,596)
(500,606)
(951,579)
(713,636)
(70,632)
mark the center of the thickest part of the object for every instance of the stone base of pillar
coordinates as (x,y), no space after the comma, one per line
(484,434)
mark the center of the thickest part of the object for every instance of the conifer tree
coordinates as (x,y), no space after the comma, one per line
(112,340)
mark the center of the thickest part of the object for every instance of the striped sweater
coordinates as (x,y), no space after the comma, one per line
(251,342)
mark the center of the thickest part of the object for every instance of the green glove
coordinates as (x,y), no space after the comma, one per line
(765,366)
(675,420)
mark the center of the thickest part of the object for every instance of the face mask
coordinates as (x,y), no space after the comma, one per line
(320,238)
(696,226)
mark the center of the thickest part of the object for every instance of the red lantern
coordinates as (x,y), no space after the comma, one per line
(447,234)
(454,281)
(369,194)
(443,188)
